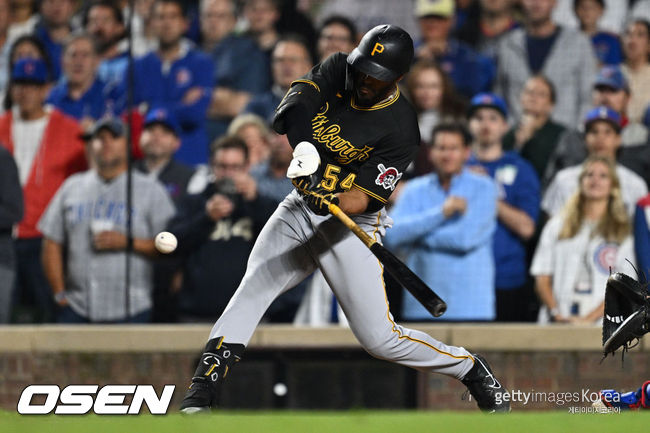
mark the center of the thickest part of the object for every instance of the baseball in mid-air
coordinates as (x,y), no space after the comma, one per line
(166,242)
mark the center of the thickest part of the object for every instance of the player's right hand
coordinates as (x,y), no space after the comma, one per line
(218,207)
(318,200)
(304,184)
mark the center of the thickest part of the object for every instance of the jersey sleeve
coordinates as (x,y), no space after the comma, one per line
(379,176)
(307,94)
(327,78)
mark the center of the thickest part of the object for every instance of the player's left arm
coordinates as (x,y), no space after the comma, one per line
(305,96)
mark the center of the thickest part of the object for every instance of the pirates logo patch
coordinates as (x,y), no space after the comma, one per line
(388,177)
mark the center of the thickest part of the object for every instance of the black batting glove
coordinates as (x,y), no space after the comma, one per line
(318,200)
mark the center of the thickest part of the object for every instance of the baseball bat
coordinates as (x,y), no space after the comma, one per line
(398,270)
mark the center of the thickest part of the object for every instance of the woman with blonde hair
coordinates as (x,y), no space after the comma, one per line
(256,134)
(580,246)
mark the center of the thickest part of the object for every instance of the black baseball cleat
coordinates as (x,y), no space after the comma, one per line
(216,360)
(490,396)
(199,398)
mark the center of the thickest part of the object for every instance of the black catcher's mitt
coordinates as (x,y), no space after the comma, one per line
(627,312)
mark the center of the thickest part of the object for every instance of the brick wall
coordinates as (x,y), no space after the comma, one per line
(333,379)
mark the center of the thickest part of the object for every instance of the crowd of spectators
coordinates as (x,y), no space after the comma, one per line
(530,186)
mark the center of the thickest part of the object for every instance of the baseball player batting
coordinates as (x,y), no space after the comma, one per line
(353,135)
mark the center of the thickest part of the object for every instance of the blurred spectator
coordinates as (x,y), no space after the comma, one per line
(581,246)
(262,16)
(367,14)
(256,134)
(144,37)
(336,34)
(47,149)
(463,12)
(53,28)
(563,55)
(637,158)
(434,98)
(636,46)
(446,220)
(81,93)
(103,20)
(216,230)
(536,135)
(241,69)
(11,212)
(23,18)
(5,43)
(613,19)
(177,77)
(517,205)
(642,235)
(607,46)
(470,71)
(641,10)
(611,90)
(27,46)
(271,175)
(603,139)
(87,220)
(635,151)
(290,60)
(488,22)
(159,141)
(319,307)
(294,18)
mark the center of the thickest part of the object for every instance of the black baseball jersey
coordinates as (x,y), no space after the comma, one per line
(364,148)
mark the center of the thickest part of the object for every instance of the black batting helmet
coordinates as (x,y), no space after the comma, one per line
(384,53)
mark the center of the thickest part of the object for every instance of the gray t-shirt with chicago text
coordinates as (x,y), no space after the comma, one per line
(87,204)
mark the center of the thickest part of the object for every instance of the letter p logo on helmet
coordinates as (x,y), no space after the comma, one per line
(378,48)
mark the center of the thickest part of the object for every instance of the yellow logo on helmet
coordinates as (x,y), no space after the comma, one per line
(378,48)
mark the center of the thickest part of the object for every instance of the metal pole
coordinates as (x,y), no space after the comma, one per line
(129,175)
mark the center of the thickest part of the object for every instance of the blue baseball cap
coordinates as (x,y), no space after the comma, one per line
(29,70)
(487,100)
(612,76)
(605,114)
(164,117)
